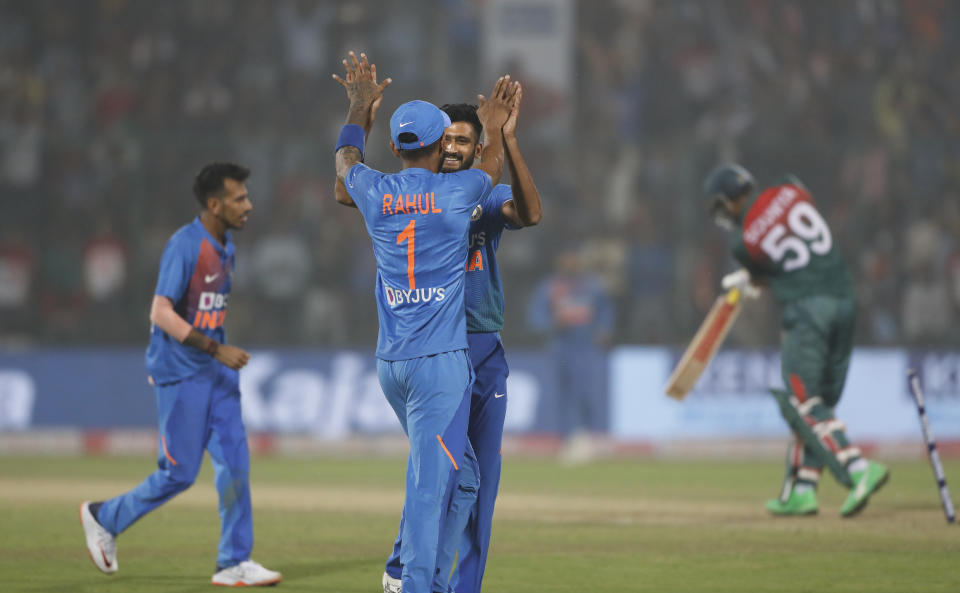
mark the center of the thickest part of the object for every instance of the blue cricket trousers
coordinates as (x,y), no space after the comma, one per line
(202,412)
(488,409)
(468,524)
(431,397)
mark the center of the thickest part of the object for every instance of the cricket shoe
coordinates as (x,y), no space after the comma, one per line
(798,504)
(865,483)
(101,545)
(246,574)
(391,585)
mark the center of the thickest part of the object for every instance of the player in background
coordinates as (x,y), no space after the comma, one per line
(511,206)
(418,221)
(784,243)
(195,376)
(572,308)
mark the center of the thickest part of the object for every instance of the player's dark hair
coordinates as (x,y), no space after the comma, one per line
(415,154)
(464,112)
(209,182)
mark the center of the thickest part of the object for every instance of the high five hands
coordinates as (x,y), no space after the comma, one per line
(363,90)
(495,111)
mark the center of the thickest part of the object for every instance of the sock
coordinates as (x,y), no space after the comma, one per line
(94,509)
(857,465)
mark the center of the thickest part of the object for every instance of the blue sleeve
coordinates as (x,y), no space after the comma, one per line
(477,184)
(494,201)
(176,268)
(358,181)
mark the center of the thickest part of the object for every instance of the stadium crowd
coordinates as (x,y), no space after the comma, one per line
(108,108)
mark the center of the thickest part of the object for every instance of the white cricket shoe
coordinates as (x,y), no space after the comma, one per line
(391,585)
(246,574)
(100,544)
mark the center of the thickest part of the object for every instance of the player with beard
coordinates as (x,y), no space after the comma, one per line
(418,221)
(511,206)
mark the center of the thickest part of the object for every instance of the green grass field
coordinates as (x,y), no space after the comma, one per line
(626,525)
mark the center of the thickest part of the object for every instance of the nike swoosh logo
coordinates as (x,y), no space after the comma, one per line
(406,123)
(499,395)
(105,561)
(210,278)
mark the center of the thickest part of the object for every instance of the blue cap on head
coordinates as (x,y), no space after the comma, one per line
(424,121)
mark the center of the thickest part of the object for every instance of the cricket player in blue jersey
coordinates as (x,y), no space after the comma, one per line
(195,375)
(511,206)
(418,221)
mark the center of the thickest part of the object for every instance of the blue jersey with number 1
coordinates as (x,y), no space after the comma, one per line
(418,222)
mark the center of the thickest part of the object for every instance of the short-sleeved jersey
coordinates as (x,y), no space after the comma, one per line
(484,297)
(418,222)
(784,239)
(194,274)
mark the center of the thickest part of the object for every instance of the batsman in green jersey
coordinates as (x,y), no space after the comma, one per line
(785,245)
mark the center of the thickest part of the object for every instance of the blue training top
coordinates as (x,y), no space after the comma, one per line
(195,275)
(484,297)
(418,222)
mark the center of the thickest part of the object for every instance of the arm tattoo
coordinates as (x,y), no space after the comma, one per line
(347,157)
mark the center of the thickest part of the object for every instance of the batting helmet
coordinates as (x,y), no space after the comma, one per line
(724,183)
(728,181)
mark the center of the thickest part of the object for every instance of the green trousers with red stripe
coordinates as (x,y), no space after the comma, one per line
(817,342)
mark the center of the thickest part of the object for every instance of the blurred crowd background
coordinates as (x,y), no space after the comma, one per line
(109,107)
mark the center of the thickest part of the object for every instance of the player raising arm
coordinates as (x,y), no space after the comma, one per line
(507,206)
(783,242)
(418,221)
(366,102)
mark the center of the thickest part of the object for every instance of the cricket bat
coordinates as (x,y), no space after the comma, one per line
(704,345)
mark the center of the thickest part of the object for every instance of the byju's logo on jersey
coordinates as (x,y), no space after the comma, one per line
(211,310)
(397,296)
(210,301)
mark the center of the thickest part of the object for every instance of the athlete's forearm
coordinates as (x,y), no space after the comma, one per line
(163,316)
(346,157)
(202,342)
(341,194)
(526,198)
(359,114)
(491,158)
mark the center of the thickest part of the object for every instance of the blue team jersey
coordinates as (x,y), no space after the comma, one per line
(195,275)
(484,296)
(418,222)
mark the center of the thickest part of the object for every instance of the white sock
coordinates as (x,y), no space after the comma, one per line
(857,465)
(803,488)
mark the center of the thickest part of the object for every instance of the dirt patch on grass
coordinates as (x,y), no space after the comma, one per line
(544,507)
(547,507)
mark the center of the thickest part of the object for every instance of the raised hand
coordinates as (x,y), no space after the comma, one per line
(495,111)
(510,126)
(363,90)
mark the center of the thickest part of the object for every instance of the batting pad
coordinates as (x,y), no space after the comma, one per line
(802,425)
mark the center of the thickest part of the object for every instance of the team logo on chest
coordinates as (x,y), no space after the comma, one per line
(477,213)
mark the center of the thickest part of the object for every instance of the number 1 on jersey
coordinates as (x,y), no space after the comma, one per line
(408,234)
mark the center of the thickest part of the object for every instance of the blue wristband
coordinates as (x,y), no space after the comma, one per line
(351,135)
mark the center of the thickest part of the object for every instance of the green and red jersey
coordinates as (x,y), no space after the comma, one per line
(785,241)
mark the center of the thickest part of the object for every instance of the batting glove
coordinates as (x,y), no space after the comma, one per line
(741,281)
